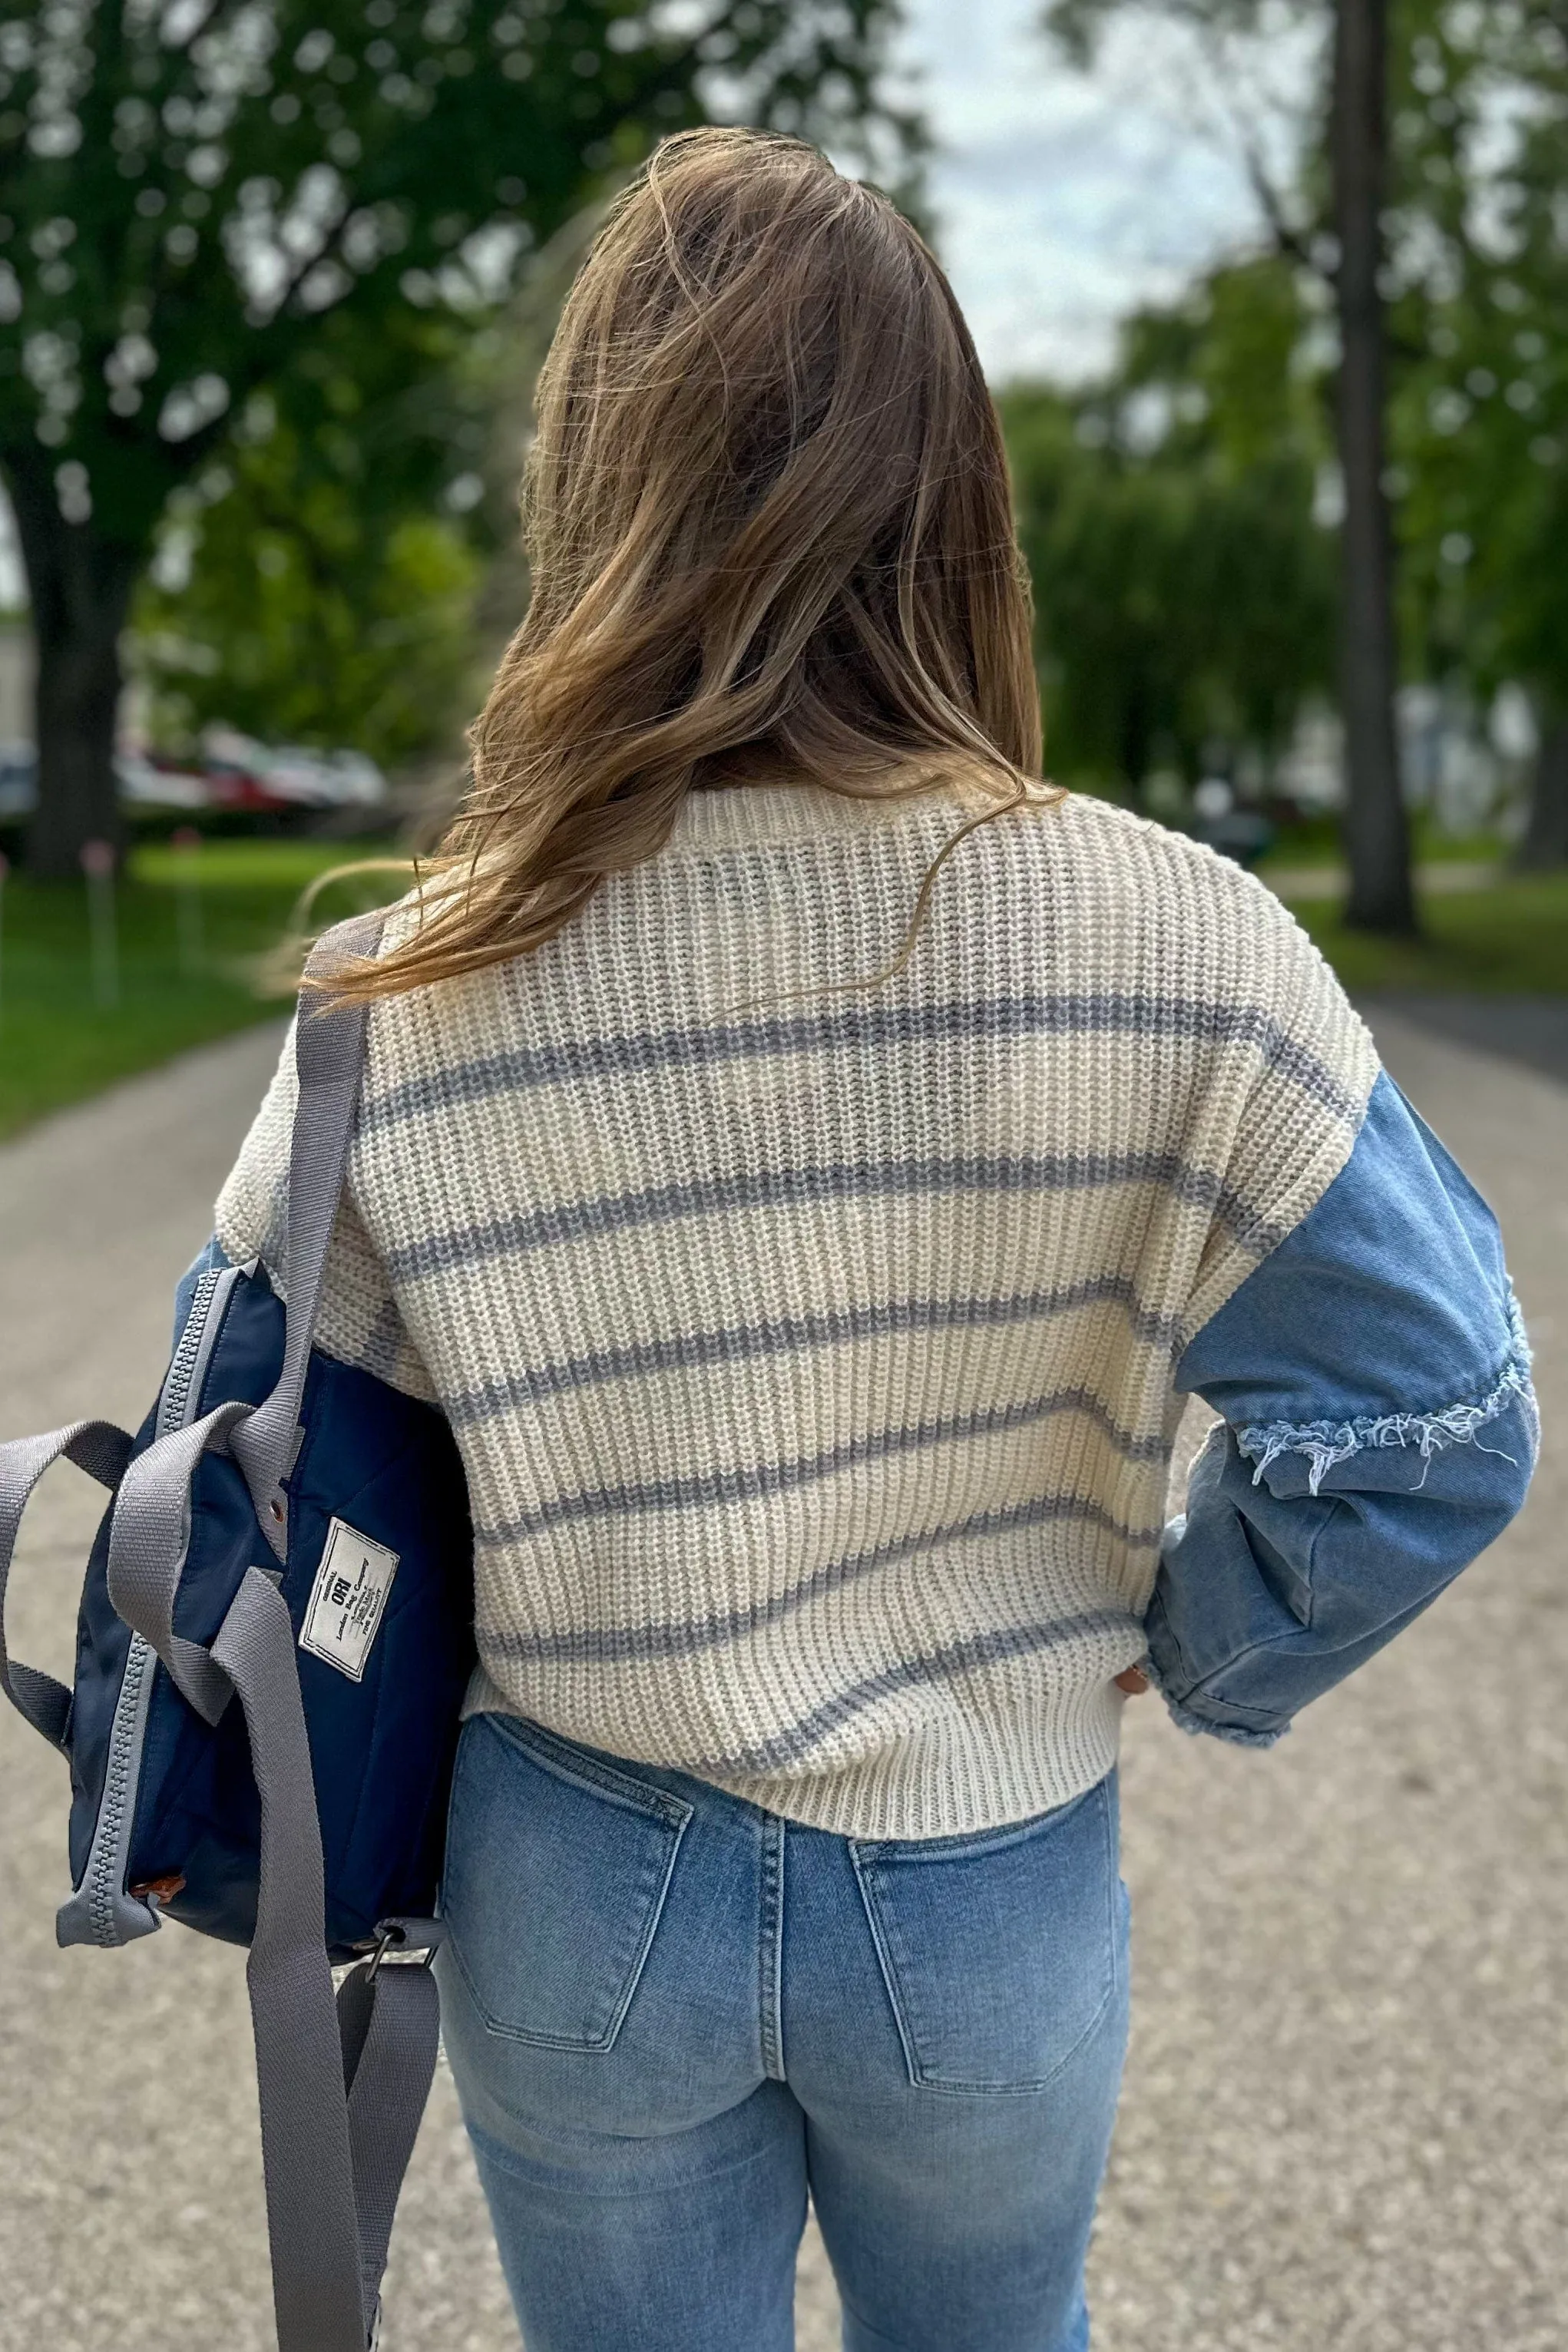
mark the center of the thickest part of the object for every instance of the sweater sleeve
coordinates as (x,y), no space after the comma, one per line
(1378,1430)
(358,1322)
(1279,1142)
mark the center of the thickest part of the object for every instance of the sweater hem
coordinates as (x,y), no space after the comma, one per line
(949,1785)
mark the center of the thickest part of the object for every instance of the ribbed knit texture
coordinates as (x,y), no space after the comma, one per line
(811,1361)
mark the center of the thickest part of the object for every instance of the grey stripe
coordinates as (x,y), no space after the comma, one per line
(742,1342)
(745,1484)
(1030,1013)
(620,1645)
(572,1220)
(793,1746)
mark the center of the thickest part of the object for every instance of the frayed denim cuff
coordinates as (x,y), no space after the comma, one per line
(1186,1721)
(1186,1718)
(1325,1444)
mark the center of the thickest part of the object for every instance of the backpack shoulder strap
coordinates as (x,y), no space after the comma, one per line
(329,1055)
(341,2097)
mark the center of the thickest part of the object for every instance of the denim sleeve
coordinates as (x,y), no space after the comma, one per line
(1379,1429)
(212,1255)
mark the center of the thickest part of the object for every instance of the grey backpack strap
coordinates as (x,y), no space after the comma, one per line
(329,1055)
(102,1451)
(147,1539)
(306,2163)
(389,2023)
(341,2090)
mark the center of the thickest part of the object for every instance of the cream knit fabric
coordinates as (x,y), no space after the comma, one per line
(811,1361)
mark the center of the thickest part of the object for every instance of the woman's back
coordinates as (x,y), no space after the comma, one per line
(810,1353)
(814,1318)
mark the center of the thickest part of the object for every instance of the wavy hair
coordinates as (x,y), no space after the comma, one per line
(770,538)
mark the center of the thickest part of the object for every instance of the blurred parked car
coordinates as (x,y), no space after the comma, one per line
(1241,834)
(19,767)
(147,782)
(244,773)
(233,772)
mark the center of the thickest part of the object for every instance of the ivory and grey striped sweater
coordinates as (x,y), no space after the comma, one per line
(812,1361)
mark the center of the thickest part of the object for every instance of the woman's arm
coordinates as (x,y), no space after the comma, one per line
(1378,1430)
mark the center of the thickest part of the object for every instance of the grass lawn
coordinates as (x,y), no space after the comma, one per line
(186,953)
(1507,940)
(1319,841)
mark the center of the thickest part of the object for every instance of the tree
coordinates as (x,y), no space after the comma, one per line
(318,580)
(308,618)
(1480,425)
(1354,110)
(191,190)
(1184,591)
(1377,834)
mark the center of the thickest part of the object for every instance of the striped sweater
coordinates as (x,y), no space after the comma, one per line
(810,1355)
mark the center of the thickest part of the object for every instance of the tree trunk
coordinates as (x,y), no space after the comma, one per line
(79,585)
(1377,836)
(1544,842)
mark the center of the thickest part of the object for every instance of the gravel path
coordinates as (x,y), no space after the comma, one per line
(1344,2121)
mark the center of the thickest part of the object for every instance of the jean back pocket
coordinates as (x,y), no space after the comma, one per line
(557,1869)
(1001,1951)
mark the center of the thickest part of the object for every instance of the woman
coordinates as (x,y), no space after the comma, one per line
(814,1325)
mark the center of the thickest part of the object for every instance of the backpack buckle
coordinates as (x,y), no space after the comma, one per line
(413,1942)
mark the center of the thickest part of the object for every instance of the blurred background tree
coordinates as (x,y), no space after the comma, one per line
(1480,425)
(317,580)
(199,198)
(1184,590)
(1329,216)
(1450,449)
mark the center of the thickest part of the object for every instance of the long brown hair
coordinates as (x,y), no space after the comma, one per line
(770,538)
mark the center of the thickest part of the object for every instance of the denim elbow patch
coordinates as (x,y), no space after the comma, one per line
(1430,1429)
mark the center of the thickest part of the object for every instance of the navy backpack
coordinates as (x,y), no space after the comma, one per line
(275,1633)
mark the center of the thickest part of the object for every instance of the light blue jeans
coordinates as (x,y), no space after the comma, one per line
(671,2014)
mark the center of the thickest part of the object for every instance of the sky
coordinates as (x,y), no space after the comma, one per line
(1061,200)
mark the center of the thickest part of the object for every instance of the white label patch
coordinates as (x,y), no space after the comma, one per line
(347,1600)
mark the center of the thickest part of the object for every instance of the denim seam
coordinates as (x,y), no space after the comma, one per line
(769,1946)
(1325,1444)
(1108,1821)
(554,1756)
(497,2152)
(921,2082)
(884,1963)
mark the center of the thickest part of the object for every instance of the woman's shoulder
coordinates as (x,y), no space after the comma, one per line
(1127,893)
(1132,854)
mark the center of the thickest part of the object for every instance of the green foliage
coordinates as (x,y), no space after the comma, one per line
(1183,590)
(319,604)
(220,218)
(190,189)
(317,632)
(1479,293)
(1481,418)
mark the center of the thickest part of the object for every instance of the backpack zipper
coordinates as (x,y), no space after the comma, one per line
(100,1905)
(175,1404)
